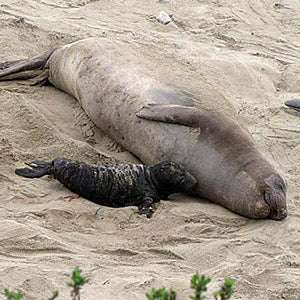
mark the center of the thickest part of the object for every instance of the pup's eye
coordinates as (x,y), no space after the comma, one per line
(181,178)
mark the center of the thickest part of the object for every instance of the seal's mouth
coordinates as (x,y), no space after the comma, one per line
(276,201)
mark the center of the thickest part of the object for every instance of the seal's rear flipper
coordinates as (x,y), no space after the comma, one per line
(174,114)
(32,173)
(25,68)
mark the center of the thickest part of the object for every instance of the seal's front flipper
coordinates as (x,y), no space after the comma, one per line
(295,103)
(32,173)
(174,114)
(146,207)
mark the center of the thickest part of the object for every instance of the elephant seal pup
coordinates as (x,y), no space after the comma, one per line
(114,80)
(116,185)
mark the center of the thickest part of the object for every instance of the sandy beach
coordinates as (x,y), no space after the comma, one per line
(247,52)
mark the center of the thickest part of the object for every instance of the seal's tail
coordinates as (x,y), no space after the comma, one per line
(26,68)
(38,169)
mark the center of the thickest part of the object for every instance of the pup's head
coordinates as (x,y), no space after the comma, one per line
(171,177)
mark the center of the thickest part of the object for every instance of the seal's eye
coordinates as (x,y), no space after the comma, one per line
(278,184)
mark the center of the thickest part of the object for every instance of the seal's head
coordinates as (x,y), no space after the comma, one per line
(171,177)
(275,196)
(247,185)
(267,194)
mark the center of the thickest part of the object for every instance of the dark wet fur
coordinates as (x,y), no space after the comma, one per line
(116,185)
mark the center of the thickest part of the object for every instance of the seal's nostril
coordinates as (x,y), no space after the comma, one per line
(279,214)
(283,213)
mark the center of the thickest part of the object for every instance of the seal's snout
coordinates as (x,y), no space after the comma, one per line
(275,197)
(280,214)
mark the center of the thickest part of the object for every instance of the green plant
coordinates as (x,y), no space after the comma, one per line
(199,283)
(226,290)
(78,282)
(13,295)
(161,294)
(19,296)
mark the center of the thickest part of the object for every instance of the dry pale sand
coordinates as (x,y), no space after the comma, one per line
(245,51)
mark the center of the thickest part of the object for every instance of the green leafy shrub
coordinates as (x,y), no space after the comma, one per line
(198,284)
(78,282)
(161,294)
(13,295)
(226,290)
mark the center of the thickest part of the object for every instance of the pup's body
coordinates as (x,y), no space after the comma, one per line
(116,185)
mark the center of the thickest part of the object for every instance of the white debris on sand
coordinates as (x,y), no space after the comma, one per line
(163,18)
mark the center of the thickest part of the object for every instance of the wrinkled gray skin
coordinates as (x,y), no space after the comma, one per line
(137,112)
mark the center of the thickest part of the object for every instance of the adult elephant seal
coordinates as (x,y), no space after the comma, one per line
(136,110)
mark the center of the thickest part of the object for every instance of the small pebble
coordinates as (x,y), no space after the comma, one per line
(176,45)
(163,18)
(89,132)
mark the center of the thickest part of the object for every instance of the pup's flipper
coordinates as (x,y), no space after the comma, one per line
(32,173)
(38,164)
(146,207)
(39,169)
